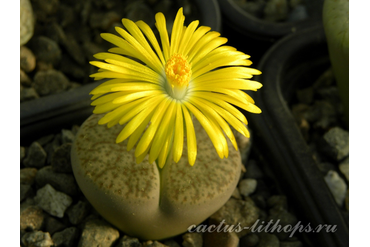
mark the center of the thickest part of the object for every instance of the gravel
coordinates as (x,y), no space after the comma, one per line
(57,207)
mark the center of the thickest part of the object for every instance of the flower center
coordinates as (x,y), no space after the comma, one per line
(178,73)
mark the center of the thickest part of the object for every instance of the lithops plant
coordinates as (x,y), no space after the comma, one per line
(161,155)
(143,200)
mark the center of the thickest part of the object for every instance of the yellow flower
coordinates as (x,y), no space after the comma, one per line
(155,90)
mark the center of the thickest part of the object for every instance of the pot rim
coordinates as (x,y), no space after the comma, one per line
(252,26)
(280,140)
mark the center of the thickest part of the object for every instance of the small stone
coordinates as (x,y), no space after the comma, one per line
(27,175)
(60,181)
(78,212)
(276,10)
(325,167)
(322,114)
(36,156)
(28,94)
(50,82)
(249,240)
(25,191)
(52,146)
(53,225)
(23,153)
(46,50)
(259,200)
(281,217)
(27,60)
(344,168)
(298,13)
(32,218)
(24,79)
(247,186)
(236,194)
(45,139)
(337,186)
(171,243)
(44,9)
(37,239)
(27,21)
(151,243)
(75,129)
(335,143)
(67,238)
(52,201)
(225,239)
(268,240)
(104,20)
(98,233)
(61,161)
(74,49)
(234,212)
(192,239)
(67,136)
(127,241)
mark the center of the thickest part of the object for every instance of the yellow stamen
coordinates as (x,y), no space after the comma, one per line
(178,73)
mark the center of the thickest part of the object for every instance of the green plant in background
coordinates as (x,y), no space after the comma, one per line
(336,25)
(175,99)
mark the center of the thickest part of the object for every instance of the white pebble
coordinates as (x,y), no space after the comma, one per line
(337,186)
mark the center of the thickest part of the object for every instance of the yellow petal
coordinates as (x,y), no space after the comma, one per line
(203,41)
(134,96)
(151,37)
(206,49)
(139,37)
(138,132)
(195,38)
(176,32)
(212,132)
(162,132)
(190,136)
(178,142)
(207,108)
(223,104)
(189,31)
(228,73)
(144,54)
(162,29)
(236,83)
(147,138)
(137,120)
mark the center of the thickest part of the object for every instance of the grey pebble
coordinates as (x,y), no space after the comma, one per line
(98,233)
(27,175)
(151,243)
(276,10)
(247,186)
(282,218)
(60,181)
(36,156)
(25,191)
(253,170)
(27,59)
(171,243)
(344,168)
(322,114)
(192,239)
(61,159)
(37,239)
(27,21)
(278,201)
(337,186)
(298,13)
(77,213)
(46,50)
(52,201)
(50,82)
(45,139)
(335,143)
(67,238)
(127,241)
(67,136)
(53,225)
(28,94)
